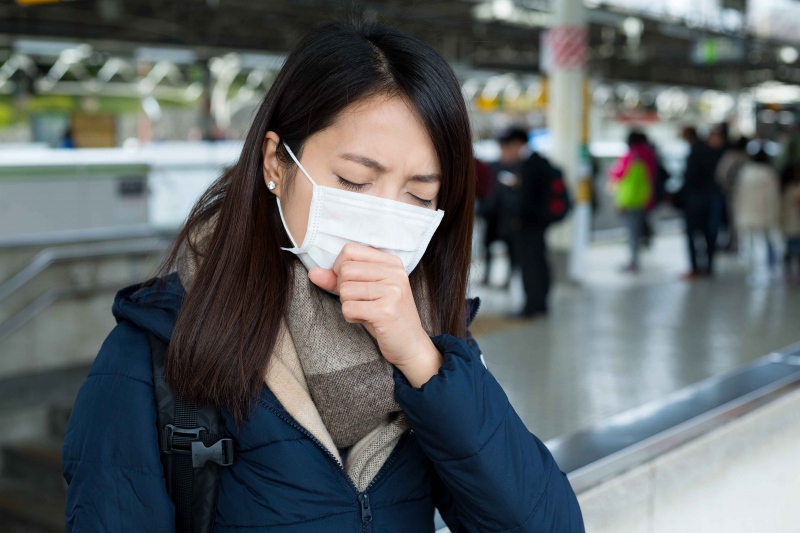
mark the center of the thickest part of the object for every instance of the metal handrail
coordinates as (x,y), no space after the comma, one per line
(49,256)
(85,235)
(53,255)
(42,302)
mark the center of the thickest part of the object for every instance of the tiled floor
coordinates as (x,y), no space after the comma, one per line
(618,342)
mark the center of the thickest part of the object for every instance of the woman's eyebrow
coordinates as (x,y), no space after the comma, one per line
(366,161)
(371,163)
(425,178)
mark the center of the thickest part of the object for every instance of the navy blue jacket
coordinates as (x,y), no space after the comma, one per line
(467,452)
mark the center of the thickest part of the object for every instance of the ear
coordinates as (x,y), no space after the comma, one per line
(271,167)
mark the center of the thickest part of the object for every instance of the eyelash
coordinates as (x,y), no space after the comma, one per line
(350,185)
(358,186)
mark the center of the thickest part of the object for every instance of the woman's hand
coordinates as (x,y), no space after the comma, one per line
(374,290)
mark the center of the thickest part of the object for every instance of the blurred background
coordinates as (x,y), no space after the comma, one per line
(639,304)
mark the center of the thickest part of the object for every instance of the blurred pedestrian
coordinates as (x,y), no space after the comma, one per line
(790,222)
(530,194)
(68,139)
(757,206)
(632,182)
(700,200)
(545,200)
(505,204)
(727,173)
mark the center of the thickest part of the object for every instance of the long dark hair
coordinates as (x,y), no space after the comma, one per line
(229,320)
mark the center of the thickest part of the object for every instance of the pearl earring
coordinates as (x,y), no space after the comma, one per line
(271,185)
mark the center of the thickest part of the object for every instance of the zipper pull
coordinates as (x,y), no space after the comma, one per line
(366,512)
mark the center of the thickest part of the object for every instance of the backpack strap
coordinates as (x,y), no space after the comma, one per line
(193,448)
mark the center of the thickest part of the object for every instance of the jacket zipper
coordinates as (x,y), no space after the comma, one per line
(366,512)
(363,497)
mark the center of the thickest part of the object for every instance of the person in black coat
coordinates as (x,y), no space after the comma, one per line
(521,198)
(701,200)
(505,203)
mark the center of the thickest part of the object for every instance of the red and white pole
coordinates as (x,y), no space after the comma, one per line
(565,53)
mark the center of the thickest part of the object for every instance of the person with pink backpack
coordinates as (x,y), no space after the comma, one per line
(631,181)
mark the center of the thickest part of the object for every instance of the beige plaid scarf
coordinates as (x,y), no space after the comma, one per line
(350,381)
(340,366)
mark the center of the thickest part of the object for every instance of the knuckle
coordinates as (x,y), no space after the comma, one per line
(395,291)
(347,310)
(345,290)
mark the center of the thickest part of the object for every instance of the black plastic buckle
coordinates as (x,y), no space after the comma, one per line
(189,435)
(221,452)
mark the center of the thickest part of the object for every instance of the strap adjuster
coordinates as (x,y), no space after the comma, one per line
(183,446)
(221,452)
(186,441)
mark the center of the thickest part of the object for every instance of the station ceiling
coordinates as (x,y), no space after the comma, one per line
(663,54)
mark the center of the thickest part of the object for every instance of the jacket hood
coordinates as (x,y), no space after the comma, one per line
(154,306)
(149,306)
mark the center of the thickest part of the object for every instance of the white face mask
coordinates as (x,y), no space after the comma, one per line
(337,217)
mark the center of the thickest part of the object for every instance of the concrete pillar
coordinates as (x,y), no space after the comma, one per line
(567,117)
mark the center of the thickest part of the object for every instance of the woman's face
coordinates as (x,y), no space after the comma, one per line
(377,147)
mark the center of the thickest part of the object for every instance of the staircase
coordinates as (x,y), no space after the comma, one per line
(32,490)
(55,312)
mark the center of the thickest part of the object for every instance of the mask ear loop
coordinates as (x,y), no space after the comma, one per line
(285,226)
(298,163)
(280,210)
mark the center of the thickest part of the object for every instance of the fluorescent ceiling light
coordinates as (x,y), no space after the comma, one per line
(36,47)
(507,11)
(502,9)
(788,54)
(776,93)
(178,56)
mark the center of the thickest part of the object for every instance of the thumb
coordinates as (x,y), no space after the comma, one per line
(323,278)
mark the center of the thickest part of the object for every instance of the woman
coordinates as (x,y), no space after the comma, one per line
(790,223)
(355,396)
(727,175)
(757,205)
(631,181)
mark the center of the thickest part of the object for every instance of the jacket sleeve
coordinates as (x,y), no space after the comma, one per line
(110,455)
(494,475)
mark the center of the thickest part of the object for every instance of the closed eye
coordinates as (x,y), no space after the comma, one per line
(350,185)
(359,186)
(422,201)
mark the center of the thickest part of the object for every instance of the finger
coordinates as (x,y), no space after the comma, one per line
(353,251)
(360,290)
(361,271)
(358,312)
(323,278)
